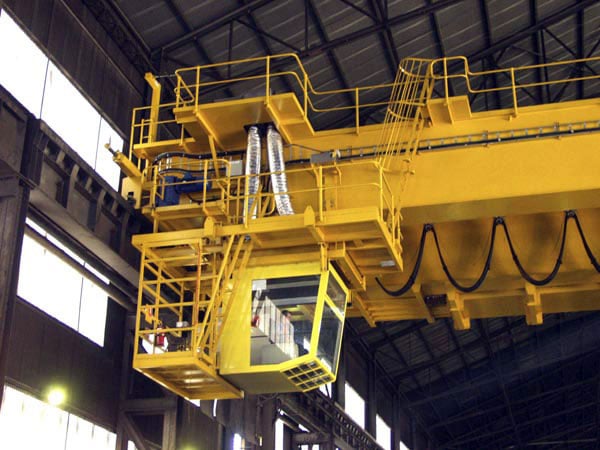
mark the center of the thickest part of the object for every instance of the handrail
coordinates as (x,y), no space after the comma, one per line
(511,75)
(229,189)
(300,77)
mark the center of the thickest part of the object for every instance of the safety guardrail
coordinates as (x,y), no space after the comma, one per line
(444,70)
(205,181)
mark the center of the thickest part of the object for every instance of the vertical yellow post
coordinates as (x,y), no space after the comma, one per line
(178,99)
(268,88)
(305,96)
(154,107)
(138,314)
(357,109)
(196,330)
(213,151)
(514,90)
(196,100)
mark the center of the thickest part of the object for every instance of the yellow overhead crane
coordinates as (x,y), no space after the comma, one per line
(267,234)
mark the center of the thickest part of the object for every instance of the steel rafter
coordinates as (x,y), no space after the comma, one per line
(316,19)
(484,378)
(263,42)
(492,357)
(385,37)
(529,30)
(117,26)
(325,46)
(199,48)
(371,15)
(478,436)
(261,33)
(414,378)
(417,325)
(491,405)
(360,345)
(438,367)
(544,398)
(211,26)
(487,32)
(467,347)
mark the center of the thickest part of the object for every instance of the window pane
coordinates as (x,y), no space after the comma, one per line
(383,433)
(355,406)
(56,291)
(282,318)
(330,338)
(92,318)
(62,292)
(23,66)
(70,115)
(28,423)
(21,414)
(105,166)
(279,435)
(336,293)
(79,433)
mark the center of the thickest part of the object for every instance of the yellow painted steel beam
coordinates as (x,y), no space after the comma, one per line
(154,108)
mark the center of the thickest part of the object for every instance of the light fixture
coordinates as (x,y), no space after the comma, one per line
(56,396)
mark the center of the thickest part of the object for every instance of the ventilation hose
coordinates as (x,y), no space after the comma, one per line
(277,169)
(253,153)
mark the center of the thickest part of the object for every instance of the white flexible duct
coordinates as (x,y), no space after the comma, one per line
(277,169)
(253,152)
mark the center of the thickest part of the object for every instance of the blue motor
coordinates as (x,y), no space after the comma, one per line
(189,184)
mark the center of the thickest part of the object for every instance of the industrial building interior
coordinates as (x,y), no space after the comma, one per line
(415,264)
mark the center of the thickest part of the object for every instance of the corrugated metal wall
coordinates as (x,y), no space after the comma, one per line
(67,30)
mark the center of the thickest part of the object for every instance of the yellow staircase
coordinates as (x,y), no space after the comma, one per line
(185,288)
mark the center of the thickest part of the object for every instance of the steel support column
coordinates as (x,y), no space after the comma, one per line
(268,415)
(371,403)
(18,151)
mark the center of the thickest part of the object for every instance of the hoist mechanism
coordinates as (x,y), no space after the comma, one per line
(268,234)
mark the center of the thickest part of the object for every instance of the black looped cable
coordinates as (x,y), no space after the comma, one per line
(484,271)
(557,264)
(586,246)
(498,221)
(413,276)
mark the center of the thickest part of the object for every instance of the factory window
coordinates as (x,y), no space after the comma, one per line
(327,389)
(279,435)
(43,89)
(355,406)
(61,292)
(383,433)
(238,442)
(23,68)
(54,429)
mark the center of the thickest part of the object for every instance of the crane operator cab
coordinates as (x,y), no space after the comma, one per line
(286,335)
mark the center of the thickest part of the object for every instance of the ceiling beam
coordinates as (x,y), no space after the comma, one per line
(263,41)
(212,26)
(385,37)
(199,48)
(324,46)
(524,33)
(335,64)
(483,333)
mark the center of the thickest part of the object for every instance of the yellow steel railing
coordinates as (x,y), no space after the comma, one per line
(219,186)
(444,70)
(190,83)
(193,84)
(164,311)
(404,113)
